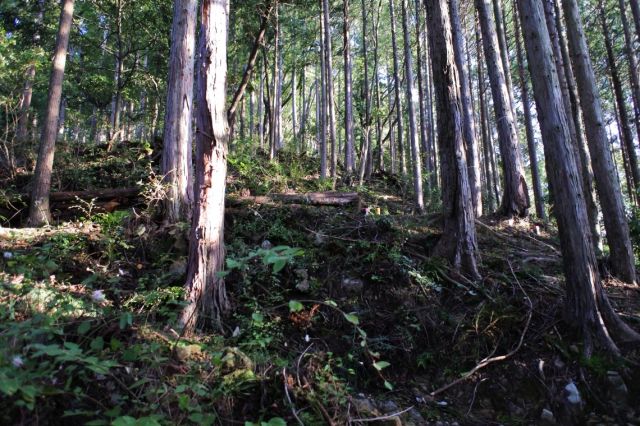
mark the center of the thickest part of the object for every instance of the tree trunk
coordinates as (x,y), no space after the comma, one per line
(408,77)
(424,138)
(323,98)
(586,304)
(635,11)
(39,212)
(627,136)
(458,241)
(565,77)
(396,88)
(365,155)
(329,86)
(206,294)
(528,122)
(504,48)
(515,199)
(349,161)
(608,186)
(177,147)
(632,62)
(469,125)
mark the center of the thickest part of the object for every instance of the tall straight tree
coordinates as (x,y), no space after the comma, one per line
(420,37)
(323,116)
(365,157)
(469,125)
(515,198)
(39,212)
(528,122)
(408,78)
(607,184)
(458,241)
(632,61)
(206,294)
(620,100)
(328,87)
(586,304)
(349,160)
(397,89)
(177,147)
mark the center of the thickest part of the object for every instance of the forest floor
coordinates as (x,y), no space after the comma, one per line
(339,315)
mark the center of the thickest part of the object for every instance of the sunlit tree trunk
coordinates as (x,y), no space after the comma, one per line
(397,89)
(349,160)
(615,221)
(515,198)
(323,99)
(330,104)
(469,125)
(413,137)
(177,147)
(458,241)
(39,211)
(365,155)
(586,304)
(206,294)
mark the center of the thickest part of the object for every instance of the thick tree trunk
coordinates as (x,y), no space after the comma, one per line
(349,160)
(469,125)
(177,147)
(397,89)
(626,135)
(408,77)
(635,11)
(608,186)
(586,303)
(504,48)
(528,122)
(515,199)
(458,241)
(206,294)
(39,212)
(567,85)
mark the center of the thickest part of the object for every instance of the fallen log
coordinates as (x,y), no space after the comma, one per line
(328,198)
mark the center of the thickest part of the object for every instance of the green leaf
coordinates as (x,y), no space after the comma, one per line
(388,385)
(295,306)
(276,421)
(257,317)
(84,327)
(381,365)
(353,319)
(331,303)
(97,344)
(279,264)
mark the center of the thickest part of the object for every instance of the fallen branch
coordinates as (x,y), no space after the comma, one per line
(329,198)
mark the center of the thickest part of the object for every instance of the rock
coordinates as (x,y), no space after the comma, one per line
(618,389)
(352,285)
(388,407)
(365,407)
(266,245)
(303,276)
(413,417)
(572,394)
(547,417)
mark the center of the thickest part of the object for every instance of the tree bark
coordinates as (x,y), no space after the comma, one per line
(206,294)
(349,161)
(408,77)
(331,113)
(627,135)
(632,62)
(458,241)
(177,147)
(607,184)
(323,98)
(39,212)
(469,125)
(586,304)
(528,122)
(397,89)
(365,155)
(515,198)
